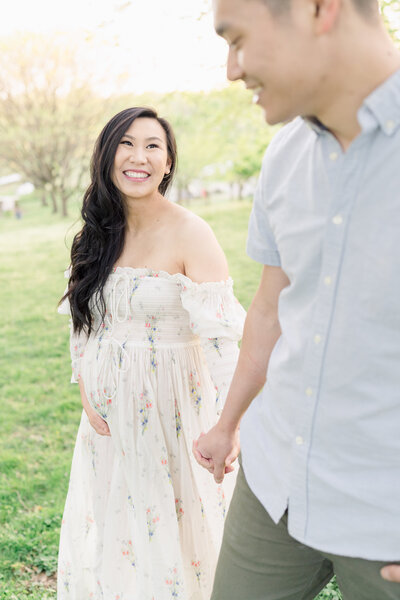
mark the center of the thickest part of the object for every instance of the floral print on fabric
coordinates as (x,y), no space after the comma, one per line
(142,520)
(194,391)
(152,520)
(128,553)
(179,509)
(151,327)
(145,406)
(175,584)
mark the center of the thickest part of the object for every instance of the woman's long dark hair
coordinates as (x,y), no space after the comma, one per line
(99,244)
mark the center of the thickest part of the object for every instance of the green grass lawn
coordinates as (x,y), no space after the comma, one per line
(40,409)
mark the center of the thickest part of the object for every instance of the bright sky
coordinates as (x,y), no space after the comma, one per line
(160,45)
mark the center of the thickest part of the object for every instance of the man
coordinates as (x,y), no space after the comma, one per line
(319,492)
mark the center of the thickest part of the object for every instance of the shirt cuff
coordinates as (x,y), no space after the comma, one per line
(265,257)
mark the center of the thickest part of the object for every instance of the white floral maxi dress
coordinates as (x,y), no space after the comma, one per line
(142,520)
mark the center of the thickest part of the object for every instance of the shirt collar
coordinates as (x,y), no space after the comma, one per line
(316,125)
(383,103)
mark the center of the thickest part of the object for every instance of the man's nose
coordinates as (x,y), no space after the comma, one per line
(233,69)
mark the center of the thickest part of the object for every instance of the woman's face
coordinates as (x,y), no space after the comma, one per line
(141,160)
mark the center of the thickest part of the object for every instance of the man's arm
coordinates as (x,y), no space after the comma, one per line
(220,446)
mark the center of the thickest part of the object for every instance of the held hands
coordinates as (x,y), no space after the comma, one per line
(216,451)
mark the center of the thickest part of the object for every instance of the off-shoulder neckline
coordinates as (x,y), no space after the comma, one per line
(180,277)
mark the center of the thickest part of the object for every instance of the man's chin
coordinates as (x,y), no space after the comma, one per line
(270,117)
(277,117)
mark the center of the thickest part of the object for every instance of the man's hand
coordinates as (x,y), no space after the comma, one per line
(391,573)
(217,450)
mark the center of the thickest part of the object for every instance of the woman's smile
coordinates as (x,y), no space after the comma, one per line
(136,176)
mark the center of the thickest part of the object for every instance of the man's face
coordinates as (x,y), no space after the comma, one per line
(272,55)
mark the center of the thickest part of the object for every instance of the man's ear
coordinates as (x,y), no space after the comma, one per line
(326,13)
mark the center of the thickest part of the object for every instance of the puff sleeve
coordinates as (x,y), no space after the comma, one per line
(77,342)
(217,318)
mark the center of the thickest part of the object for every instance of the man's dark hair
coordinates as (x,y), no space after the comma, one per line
(365,7)
(279,7)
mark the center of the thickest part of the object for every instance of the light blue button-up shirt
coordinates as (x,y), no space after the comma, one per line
(323,437)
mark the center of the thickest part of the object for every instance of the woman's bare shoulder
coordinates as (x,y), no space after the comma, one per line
(187,223)
(202,255)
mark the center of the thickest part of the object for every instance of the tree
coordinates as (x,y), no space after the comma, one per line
(241,134)
(391,15)
(221,136)
(48,115)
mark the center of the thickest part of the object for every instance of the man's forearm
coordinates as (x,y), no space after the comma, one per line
(261,332)
(217,449)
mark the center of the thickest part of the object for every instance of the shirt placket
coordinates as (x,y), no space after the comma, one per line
(344,171)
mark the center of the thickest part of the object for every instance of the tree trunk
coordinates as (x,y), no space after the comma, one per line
(231,190)
(44,199)
(64,206)
(54,202)
(240,190)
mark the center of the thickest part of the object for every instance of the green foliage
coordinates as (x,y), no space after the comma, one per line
(221,136)
(50,116)
(391,15)
(40,410)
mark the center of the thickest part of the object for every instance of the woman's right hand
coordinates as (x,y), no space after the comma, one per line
(99,425)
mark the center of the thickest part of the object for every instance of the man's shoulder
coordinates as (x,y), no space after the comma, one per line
(291,138)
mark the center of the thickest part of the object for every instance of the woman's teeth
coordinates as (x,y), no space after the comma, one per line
(134,175)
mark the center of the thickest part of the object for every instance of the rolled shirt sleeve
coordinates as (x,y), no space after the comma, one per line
(261,245)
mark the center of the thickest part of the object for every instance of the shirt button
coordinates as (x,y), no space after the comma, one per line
(389,126)
(333,155)
(309,391)
(327,280)
(299,440)
(317,338)
(337,220)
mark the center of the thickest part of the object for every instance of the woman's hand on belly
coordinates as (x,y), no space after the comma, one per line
(99,425)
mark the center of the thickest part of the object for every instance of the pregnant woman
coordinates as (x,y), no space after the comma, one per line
(154,331)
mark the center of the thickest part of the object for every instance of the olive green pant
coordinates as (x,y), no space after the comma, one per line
(259,560)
